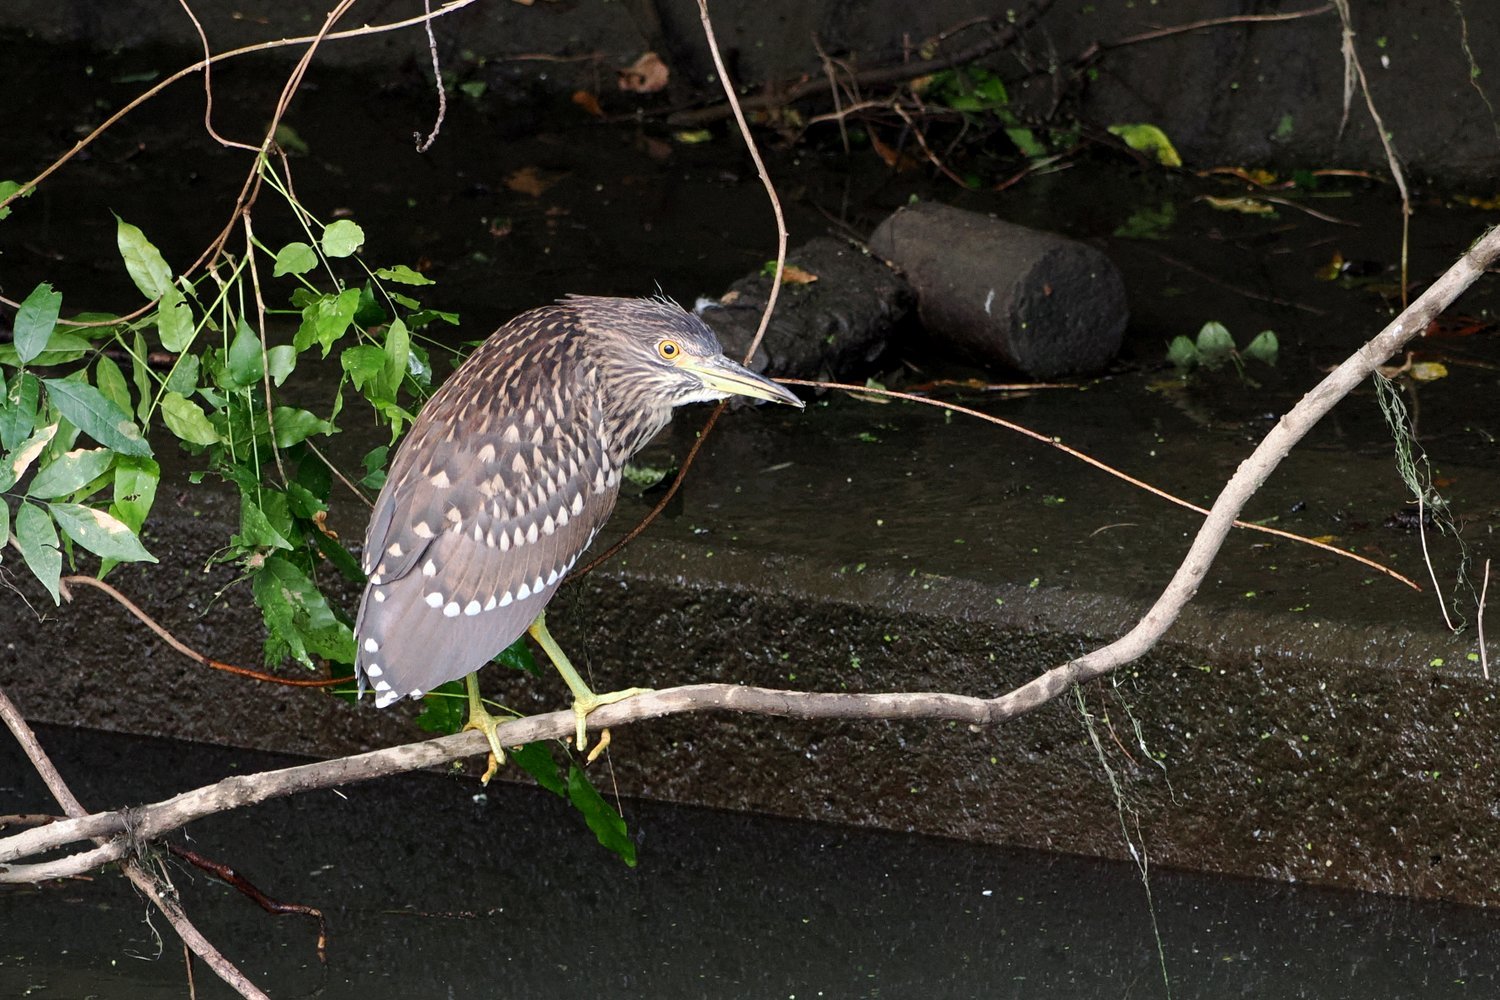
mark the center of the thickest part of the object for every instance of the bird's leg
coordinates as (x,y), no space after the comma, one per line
(584,699)
(482,720)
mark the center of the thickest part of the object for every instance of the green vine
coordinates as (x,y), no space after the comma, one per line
(204,362)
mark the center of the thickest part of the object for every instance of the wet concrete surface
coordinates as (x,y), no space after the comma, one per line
(1312,719)
(432,890)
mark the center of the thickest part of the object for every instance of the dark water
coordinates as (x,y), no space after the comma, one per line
(433,888)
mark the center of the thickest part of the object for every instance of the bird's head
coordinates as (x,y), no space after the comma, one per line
(657,355)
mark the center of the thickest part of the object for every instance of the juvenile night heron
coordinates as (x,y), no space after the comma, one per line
(507,475)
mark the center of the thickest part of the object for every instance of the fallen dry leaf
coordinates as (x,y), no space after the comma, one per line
(898,162)
(791,274)
(529,180)
(646,75)
(588,102)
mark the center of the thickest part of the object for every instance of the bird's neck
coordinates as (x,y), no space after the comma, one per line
(630,427)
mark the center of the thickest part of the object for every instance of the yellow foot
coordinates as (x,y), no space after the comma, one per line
(486,723)
(584,704)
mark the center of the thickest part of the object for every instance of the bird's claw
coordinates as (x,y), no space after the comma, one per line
(583,705)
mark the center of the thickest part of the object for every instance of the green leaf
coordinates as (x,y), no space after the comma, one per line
(70,472)
(397,354)
(294,425)
(93,413)
(37,540)
(518,656)
(403,275)
(174,320)
(288,139)
(294,258)
(140,374)
(280,360)
(256,530)
(443,709)
(1026,141)
(35,320)
(366,365)
(608,826)
(18,410)
(183,378)
(1264,348)
(374,463)
(1214,343)
(326,319)
(1151,140)
(342,561)
(536,760)
(9,189)
(247,362)
(297,616)
(135,490)
(4,526)
(1182,352)
(16,465)
(187,420)
(100,532)
(61,348)
(147,268)
(343,238)
(111,382)
(1148,223)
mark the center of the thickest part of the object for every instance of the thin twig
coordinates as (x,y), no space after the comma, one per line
(931,156)
(265,347)
(1005,33)
(1211,22)
(423,145)
(208,90)
(1352,59)
(1427,560)
(1484,656)
(338,474)
(765,316)
(143,881)
(188,651)
(232,878)
(1088,459)
(243,790)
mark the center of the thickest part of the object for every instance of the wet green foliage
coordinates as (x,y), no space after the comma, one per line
(1214,346)
(974,90)
(83,399)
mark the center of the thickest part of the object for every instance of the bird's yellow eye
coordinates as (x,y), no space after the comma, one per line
(669,350)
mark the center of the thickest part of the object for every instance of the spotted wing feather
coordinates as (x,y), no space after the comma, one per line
(499,487)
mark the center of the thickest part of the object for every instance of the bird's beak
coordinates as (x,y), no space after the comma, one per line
(722,375)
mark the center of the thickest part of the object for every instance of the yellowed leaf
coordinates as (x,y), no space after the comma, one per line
(1243,205)
(1331,270)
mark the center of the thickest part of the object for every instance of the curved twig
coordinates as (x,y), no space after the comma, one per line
(188,651)
(143,880)
(1088,459)
(242,790)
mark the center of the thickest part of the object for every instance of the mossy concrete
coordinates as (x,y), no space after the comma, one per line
(1287,734)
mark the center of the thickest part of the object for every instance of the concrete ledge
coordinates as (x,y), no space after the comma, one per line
(1291,745)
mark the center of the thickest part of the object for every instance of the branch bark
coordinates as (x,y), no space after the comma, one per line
(148,884)
(133,826)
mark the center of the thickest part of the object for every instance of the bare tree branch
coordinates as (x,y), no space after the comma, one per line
(148,884)
(235,792)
